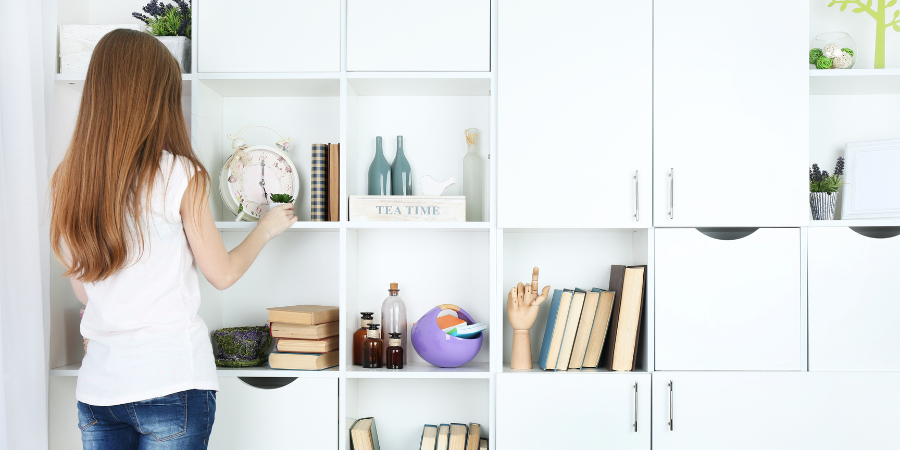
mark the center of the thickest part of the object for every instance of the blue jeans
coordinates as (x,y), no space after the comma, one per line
(178,421)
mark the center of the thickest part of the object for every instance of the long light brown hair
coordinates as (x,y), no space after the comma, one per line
(130,112)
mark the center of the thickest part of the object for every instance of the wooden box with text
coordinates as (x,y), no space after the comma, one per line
(402,208)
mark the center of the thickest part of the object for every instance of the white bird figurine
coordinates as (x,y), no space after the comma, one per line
(430,187)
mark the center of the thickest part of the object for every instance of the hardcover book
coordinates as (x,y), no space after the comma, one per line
(307,345)
(363,435)
(458,434)
(295,331)
(304,314)
(556,325)
(568,340)
(303,361)
(429,438)
(626,319)
(317,194)
(334,182)
(600,328)
(585,325)
(474,436)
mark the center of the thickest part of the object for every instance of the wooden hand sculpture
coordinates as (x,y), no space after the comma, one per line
(523,304)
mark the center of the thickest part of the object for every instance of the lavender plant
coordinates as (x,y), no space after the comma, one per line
(167,20)
(821,181)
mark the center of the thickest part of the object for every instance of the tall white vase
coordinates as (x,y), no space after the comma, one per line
(180,47)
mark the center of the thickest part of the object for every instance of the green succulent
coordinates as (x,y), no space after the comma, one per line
(281,198)
(814,55)
(824,63)
(847,51)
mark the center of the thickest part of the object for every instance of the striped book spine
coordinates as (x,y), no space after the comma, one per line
(318,208)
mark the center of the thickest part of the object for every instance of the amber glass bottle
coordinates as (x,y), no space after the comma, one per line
(371,348)
(394,358)
(359,336)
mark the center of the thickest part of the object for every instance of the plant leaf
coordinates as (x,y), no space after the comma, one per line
(896,13)
(858,10)
(869,4)
(896,28)
(843,6)
(890,3)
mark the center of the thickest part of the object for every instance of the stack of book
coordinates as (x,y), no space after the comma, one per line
(306,337)
(325,183)
(584,325)
(455,436)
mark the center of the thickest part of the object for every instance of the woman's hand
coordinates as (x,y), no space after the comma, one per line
(275,221)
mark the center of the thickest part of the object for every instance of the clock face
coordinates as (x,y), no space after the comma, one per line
(260,173)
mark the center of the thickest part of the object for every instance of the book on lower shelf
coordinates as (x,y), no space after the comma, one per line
(363,435)
(582,326)
(455,436)
(324,345)
(303,361)
(304,314)
(296,331)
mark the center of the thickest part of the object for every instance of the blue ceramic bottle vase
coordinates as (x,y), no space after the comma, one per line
(401,173)
(379,172)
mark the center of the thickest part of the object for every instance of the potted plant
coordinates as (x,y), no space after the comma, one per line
(823,190)
(171,24)
(279,199)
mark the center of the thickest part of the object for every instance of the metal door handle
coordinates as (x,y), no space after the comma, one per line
(671,407)
(637,199)
(672,193)
(635,406)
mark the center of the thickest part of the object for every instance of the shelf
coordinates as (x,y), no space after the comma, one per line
(75,81)
(419,369)
(260,371)
(421,83)
(572,372)
(854,82)
(273,85)
(885,222)
(297,226)
(442,226)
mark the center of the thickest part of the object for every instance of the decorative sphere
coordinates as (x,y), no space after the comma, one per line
(847,51)
(814,55)
(237,143)
(824,63)
(831,50)
(843,61)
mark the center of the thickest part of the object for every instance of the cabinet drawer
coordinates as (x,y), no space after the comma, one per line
(303,414)
(269,36)
(415,35)
(775,410)
(854,300)
(728,302)
(576,410)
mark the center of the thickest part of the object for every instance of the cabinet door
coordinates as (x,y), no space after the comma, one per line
(853,300)
(269,36)
(416,35)
(575,113)
(726,302)
(772,410)
(731,123)
(302,414)
(573,410)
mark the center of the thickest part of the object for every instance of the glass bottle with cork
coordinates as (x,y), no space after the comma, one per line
(359,336)
(372,348)
(395,354)
(393,318)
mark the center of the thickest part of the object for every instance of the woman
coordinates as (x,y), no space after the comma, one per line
(130,218)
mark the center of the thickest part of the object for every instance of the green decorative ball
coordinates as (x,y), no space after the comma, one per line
(814,55)
(824,63)
(847,51)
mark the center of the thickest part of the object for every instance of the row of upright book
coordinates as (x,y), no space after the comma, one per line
(586,326)
(454,436)
(306,337)
(325,183)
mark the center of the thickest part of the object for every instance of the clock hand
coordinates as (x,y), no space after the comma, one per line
(262,182)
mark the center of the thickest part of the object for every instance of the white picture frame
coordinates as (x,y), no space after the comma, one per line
(870,185)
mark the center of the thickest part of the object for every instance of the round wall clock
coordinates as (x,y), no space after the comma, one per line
(255,172)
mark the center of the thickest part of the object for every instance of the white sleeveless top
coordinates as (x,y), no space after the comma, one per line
(146,339)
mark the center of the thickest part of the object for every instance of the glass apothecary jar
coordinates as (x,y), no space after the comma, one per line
(832,50)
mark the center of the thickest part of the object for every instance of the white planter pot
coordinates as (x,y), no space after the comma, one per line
(822,205)
(77,42)
(180,47)
(273,205)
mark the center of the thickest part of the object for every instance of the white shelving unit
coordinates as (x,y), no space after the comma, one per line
(596,168)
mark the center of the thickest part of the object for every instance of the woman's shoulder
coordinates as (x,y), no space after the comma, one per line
(176,167)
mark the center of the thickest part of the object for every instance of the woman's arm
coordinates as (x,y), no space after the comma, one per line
(78,287)
(221,267)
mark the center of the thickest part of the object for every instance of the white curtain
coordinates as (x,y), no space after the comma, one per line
(27,64)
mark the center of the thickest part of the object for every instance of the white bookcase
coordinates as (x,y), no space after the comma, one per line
(788,344)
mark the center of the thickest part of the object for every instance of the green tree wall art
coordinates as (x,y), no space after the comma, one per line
(878,13)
